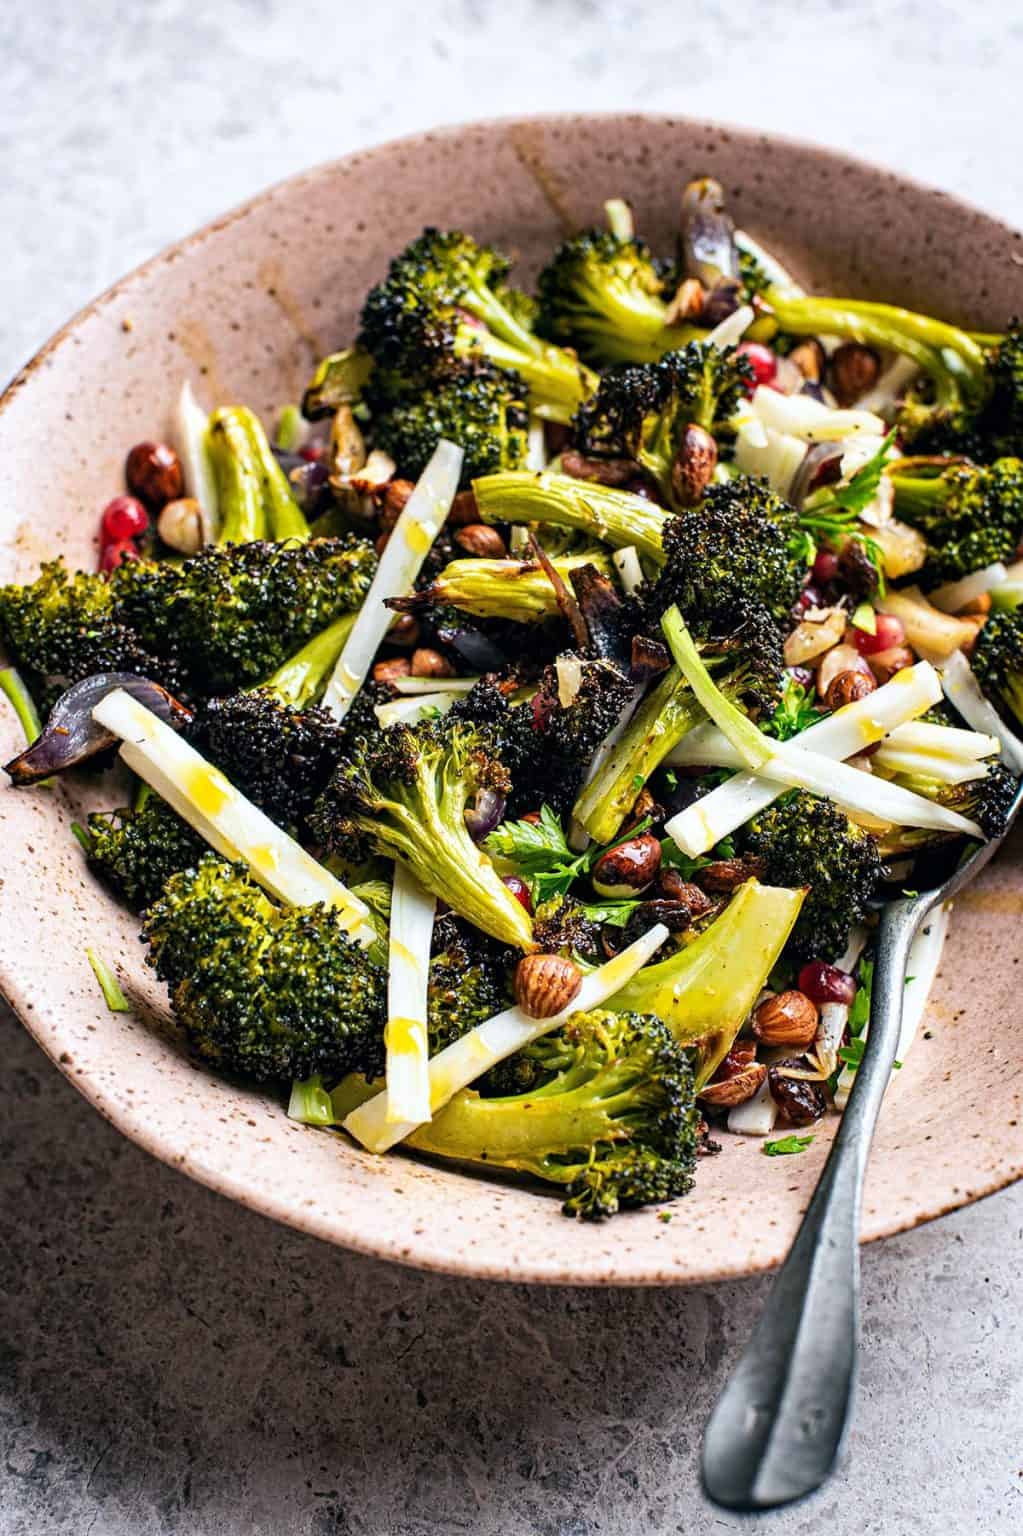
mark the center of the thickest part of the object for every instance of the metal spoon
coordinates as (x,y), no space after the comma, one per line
(777,1429)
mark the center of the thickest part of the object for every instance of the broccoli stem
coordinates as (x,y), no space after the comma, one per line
(664,717)
(558,384)
(915,494)
(615,517)
(300,679)
(108,983)
(285,518)
(507,589)
(239,493)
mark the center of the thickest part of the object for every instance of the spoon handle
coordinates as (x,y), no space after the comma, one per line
(777,1428)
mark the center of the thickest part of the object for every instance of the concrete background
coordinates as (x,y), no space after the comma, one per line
(170,1363)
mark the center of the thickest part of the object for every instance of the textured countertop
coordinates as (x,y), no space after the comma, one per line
(171,1363)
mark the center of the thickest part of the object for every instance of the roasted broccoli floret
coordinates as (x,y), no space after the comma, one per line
(997,660)
(267,992)
(469,980)
(137,850)
(970,517)
(233,614)
(643,413)
(804,840)
(611,1117)
(404,795)
(1002,423)
(442,303)
(986,800)
(741,545)
(481,409)
(606,297)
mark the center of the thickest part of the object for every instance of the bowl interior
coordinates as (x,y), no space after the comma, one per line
(243,309)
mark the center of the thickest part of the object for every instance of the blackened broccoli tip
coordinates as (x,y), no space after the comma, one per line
(137,851)
(807,841)
(481,409)
(267,992)
(469,980)
(404,794)
(997,660)
(604,296)
(971,517)
(983,420)
(608,1113)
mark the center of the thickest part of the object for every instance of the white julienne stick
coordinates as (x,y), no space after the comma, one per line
(200,481)
(232,825)
(408,1071)
(841,735)
(411,540)
(460,1063)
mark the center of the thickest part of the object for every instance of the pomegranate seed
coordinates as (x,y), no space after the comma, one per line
(825,567)
(123,518)
(312,453)
(520,890)
(824,983)
(117,553)
(888,633)
(761,359)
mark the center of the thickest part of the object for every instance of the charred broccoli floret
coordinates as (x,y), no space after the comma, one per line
(443,302)
(804,840)
(137,850)
(481,409)
(404,795)
(986,800)
(981,416)
(267,992)
(997,660)
(605,296)
(643,413)
(610,1116)
(970,517)
(469,980)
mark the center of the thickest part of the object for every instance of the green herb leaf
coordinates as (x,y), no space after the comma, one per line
(786,1146)
(796,709)
(615,913)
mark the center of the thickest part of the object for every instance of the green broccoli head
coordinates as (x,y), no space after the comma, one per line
(1003,421)
(482,409)
(987,801)
(268,992)
(804,840)
(978,416)
(970,517)
(404,794)
(470,980)
(234,614)
(605,297)
(137,851)
(739,546)
(609,1115)
(997,660)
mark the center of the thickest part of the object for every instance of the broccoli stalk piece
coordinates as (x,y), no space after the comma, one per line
(404,795)
(997,660)
(481,409)
(520,591)
(252,490)
(804,840)
(442,301)
(605,296)
(268,992)
(613,1121)
(614,517)
(643,413)
(970,517)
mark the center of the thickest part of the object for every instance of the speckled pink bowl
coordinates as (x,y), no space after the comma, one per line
(244,308)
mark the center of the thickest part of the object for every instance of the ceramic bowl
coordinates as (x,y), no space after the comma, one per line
(243,309)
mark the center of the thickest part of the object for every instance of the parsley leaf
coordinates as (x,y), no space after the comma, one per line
(795,711)
(785,1146)
(541,855)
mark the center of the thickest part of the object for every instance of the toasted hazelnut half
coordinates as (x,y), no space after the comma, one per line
(392,503)
(694,465)
(546,984)
(426,662)
(853,370)
(390,671)
(885,664)
(478,539)
(742,1085)
(180,525)
(809,357)
(787,1018)
(628,868)
(847,687)
(463,510)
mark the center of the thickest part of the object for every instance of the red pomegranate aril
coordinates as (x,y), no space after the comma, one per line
(761,359)
(825,567)
(311,452)
(520,890)
(123,518)
(825,983)
(117,553)
(888,632)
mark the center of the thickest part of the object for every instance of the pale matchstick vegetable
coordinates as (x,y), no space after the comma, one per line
(803,417)
(414,685)
(462,1062)
(200,481)
(756,1117)
(954,595)
(408,970)
(231,824)
(630,572)
(779,277)
(939,752)
(618,216)
(412,709)
(964,692)
(729,331)
(411,541)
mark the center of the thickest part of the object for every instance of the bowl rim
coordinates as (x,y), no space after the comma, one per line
(134,1125)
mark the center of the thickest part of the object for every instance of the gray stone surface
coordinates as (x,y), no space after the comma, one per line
(169,1362)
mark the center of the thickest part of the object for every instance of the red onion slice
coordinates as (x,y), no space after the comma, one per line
(71,735)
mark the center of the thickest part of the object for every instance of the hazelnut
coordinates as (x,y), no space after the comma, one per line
(180,525)
(801,1101)
(390,671)
(809,357)
(546,984)
(404,632)
(885,664)
(153,472)
(613,472)
(787,1018)
(686,303)
(430,663)
(729,874)
(694,465)
(628,868)
(726,1092)
(478,539)
(853,370)
(847,687)
(979,608)
(392,503)
(464,510)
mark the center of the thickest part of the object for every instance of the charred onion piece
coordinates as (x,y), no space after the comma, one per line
(71,735)
(567,605)
(602,611)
